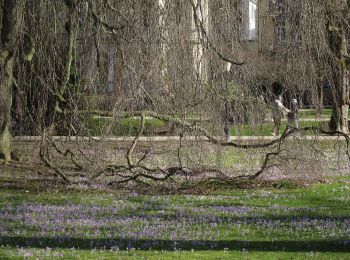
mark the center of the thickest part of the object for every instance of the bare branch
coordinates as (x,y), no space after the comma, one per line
(201,28)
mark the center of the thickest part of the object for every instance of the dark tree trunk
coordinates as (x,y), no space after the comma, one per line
(338,42)
(10,24)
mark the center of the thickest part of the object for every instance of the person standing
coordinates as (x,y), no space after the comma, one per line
(293,114)
(279,111)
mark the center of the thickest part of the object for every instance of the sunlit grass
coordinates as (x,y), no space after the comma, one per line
(130,126)
(266,128)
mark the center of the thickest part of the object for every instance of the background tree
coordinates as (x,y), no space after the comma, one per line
(313,38)
(338,29)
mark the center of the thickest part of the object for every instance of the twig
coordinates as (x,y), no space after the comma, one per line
(264,166)
(199,25)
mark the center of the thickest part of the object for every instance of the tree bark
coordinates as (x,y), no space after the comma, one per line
(10,24)
(338,42)
(340,111)
(72,34)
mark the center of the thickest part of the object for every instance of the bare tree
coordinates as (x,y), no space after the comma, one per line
(185,63)
(312,44)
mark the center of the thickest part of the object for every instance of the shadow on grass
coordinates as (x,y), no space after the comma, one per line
(157,244)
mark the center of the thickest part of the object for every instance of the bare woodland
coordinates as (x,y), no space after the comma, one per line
(182,62)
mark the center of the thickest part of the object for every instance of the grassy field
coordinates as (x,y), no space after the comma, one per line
(124,127)
(298,209)
(130,126)
(312,113)
(303,223)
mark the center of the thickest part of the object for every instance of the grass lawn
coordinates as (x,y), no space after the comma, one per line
(302,223)
(265,129)
(130,126)
(124,127)
(312,113)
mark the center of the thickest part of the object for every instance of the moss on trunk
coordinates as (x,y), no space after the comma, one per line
(5,144)
(10,23)
(5,108)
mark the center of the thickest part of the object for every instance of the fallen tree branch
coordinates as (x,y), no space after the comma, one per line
(268,156)
(50,165)
(66,153)
(169,172)
(139,171)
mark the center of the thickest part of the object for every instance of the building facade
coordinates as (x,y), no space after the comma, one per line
(179,44)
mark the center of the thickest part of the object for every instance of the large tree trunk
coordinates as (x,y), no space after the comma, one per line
(340,113)
(10,23)
(338,41)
